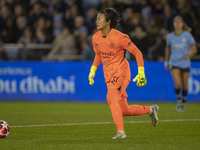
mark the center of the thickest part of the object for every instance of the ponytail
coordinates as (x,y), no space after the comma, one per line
(186,27)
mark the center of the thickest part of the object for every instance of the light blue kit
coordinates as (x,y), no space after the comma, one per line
(179,47)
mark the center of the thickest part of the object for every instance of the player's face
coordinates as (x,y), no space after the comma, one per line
(178,24)
(101,21)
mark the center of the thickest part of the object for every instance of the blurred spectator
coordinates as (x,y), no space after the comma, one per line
(70,15)
(107,3)
(5,13)
(44,24)
(188,12)
(36,13)
(57,22)
(157,6)
(139,38)
(136,20)
(23,7)
(3,54)
(8,35)
(41,37)
(153,29)
(86,4)
(63,45)
(21,23)
(51,7)
(18,10)
(127,14)
(80,32)
(129,20)
(146,13)
(88,52)
(26,38)
(168,17)
(32,3)
(91,19)
(2,3)
(56,5)
(65,42)
(157,51)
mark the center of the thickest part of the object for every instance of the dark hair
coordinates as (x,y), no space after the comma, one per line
(112,15)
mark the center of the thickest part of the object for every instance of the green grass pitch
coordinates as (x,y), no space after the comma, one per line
(89,126)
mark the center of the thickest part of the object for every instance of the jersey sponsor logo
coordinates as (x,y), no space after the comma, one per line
(107,53)
(112,45)
(178,45)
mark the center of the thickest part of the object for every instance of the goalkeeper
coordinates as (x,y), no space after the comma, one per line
(109,46)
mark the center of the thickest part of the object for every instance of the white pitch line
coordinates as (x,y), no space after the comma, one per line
(94,123)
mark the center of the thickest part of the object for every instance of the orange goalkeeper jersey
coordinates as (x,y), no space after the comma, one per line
(110,50)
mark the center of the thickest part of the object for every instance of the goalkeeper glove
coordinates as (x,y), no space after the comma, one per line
(91,75)
(140,78)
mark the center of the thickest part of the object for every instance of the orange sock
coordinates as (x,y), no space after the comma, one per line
(113,102)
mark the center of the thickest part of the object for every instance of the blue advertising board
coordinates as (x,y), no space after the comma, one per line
(68,81)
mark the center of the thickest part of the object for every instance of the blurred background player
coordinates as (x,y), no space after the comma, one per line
(109,46)
(180,47)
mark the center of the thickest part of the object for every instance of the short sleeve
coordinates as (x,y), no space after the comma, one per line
(191,40)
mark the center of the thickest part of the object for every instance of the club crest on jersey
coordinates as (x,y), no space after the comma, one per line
(183,40)
(112,45)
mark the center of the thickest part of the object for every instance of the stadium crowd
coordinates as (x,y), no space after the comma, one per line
(70,24)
